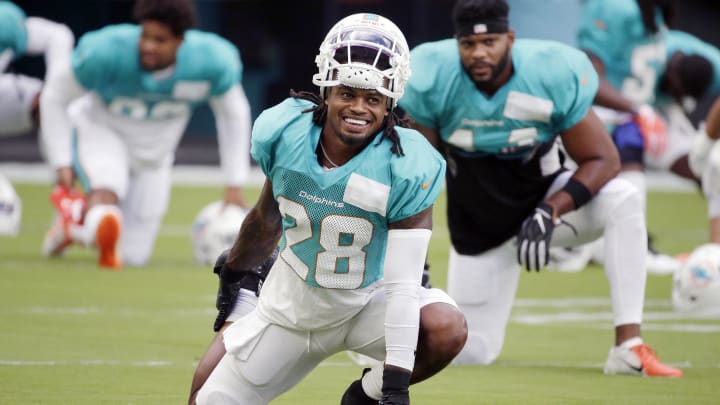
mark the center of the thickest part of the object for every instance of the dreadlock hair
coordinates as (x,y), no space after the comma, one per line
(647,11)
(696,74)
(320,116)
(179,15)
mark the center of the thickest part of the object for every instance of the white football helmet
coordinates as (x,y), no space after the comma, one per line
(10,208)
(696,287)
(215,229)
(365,51)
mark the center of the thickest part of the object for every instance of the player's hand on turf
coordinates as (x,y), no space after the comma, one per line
(533,240)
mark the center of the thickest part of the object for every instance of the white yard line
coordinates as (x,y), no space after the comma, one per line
(211,176)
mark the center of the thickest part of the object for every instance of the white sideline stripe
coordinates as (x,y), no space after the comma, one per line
(567,317)
(212,176)
(162,363)
(575,302)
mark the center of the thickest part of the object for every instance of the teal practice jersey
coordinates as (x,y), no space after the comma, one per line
(613,31)
(691,45)
(107,61)
(13,35)
(551,89)
(335,223)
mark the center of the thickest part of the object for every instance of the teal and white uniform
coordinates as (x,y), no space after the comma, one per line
(510,134)
(127,122)
(335,223)
(613,31)
(503,160)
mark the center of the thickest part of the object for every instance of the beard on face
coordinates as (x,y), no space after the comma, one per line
(495,70)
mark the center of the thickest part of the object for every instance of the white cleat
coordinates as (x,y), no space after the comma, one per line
(57,238)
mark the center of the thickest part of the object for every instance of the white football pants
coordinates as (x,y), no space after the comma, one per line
(272,359)
(484,285)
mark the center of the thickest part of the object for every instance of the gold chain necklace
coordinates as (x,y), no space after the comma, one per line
(322,149)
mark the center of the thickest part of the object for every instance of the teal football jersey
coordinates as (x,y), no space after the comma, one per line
(613,31)
(13,35)
(107,61)
(335,223)
(691,45)
(551,90)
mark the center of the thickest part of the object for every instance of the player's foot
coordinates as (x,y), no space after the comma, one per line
(57,238)
(107,237)
(355,395)
(570,259)
(659,263)
(638,360)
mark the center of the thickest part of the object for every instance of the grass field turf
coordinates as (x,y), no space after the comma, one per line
(72,334)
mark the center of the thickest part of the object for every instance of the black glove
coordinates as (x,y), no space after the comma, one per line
(231,282)
(425,281)
(533,240)
(395,386)
(228,290)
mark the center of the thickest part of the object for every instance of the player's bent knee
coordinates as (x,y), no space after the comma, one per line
(443,330)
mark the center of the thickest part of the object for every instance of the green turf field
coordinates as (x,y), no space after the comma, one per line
(72,334)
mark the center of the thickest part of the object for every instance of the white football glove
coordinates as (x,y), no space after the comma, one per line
(710,176)
(698,157)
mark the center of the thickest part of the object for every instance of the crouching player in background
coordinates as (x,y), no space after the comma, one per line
(132,89)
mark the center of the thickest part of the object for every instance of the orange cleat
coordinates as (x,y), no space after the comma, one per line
(107,237)
(638,360)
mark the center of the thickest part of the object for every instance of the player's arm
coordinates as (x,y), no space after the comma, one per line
(432,135)
(232,119)
(407,247)
(590,146)
(52,40)
(60,89)
(607,96)
(258,237)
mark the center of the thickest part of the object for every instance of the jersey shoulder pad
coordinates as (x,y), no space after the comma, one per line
(418,176)
(213,57)
(284,121)
(426,63)
(101,54)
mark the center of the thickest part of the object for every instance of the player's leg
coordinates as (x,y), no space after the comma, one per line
(484,288)
(143,210)
(101,165)
(246,302)
(266,361)
(616,211)
(443,332)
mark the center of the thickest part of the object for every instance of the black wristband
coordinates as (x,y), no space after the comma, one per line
(578,191)
(396,378)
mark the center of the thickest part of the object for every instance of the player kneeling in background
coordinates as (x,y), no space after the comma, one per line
(115,117)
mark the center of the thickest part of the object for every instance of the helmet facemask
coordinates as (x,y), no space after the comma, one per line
(364,51)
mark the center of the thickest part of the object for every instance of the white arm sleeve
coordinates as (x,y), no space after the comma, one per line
(56,129)
(404,261)
(53,40)
(232,119)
